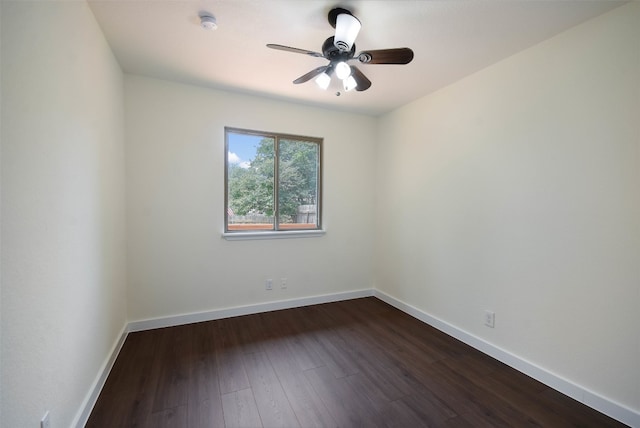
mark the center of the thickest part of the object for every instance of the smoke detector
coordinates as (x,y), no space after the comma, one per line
(208,21)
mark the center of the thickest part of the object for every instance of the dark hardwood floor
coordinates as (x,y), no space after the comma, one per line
(354,363)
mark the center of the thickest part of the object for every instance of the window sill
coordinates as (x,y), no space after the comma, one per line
(246,236)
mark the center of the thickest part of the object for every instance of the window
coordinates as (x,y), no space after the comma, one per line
(272,182)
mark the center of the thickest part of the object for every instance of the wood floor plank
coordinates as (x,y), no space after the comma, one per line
(251,333)
(305,402)
(273,405)
(172,388)
(203,380)
(127,397)
(458,422)
(523,394)
(429,407)
(348,406)
(324,344)
(170,418)
(331,350)
(382,370)
(293,340)
(281,358)
(574,413)
(205,414)
(204,407)
(240,409)
(473,402)
(229,364)
(397,414)
(352,363)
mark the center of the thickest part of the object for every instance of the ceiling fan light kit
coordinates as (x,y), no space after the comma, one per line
(343,70)
(323,81)
(349,83)
(341,48)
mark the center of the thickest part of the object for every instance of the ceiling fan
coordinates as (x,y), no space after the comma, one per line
(340,48)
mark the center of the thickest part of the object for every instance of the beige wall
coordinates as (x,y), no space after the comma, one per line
(516,190)
(178,262)
(63,264)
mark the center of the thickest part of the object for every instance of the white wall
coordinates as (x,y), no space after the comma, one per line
(178,262)
(63,265)
(516,190)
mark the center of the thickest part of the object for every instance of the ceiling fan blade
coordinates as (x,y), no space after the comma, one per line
(386,56)
(296,50)
(310,75)
(361,80)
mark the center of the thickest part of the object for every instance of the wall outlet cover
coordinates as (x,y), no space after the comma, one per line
(489,319)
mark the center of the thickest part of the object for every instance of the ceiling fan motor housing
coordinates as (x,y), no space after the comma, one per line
(334,54)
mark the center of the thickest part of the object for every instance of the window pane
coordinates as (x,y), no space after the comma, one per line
(298,163)
(250,182)
(272,181)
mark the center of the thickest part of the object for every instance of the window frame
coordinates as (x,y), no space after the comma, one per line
(276,231)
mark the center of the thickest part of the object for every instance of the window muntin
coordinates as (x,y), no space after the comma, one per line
(272,181)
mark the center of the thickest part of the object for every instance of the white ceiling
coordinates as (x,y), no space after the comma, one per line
(451,39)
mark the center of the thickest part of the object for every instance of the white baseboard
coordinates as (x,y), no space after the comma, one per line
(616,411)
(90,400)
(217,314)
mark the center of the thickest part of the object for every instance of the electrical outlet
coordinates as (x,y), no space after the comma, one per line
(489,319)
(283,283)
(268,284)
(45,422)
